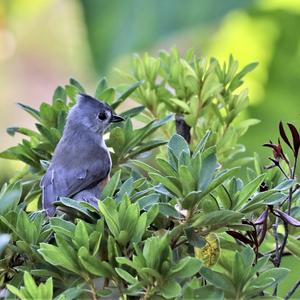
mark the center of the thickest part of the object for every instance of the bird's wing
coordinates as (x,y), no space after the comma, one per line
(67,179)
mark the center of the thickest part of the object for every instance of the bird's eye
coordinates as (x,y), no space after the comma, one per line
(102,116)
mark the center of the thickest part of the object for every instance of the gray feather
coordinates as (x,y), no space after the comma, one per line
(80,161)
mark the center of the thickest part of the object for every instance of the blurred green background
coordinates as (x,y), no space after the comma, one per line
(45,42)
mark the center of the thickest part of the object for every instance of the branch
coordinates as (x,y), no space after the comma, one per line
(292,291)
(279,251)
(182,128)
(275,233)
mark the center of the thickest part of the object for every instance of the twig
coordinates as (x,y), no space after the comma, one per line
(294,167)
(293,172)
(180,243)
(182,128)
(286,234)
(276,259)
(292,291)
(282,171)
(93,289)
(275,233)
(290,200)
(279,251)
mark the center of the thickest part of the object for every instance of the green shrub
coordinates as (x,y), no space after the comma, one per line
(175,221)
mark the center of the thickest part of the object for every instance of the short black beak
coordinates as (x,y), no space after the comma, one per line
(116,119)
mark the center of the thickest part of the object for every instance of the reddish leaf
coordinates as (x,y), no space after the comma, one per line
(283,135)
(296,138)
(261,219)
(276,162)
(286,218)
(270,145)
(240,237)
(277,151)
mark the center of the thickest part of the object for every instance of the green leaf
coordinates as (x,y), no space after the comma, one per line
(261,264)
(62,226)
(236,82)
(111,186)
(127,262)
(16,292)
(75,83)
(170,290)
(219,179)
(130,113)
(12,131)
(94,265)
(257,201)
(277,273)
(266,279)
(126,94)
(194,238)
(45,273)
(209,165)
(71,92)
(10,199)
(33,112)
(81,236)
(47,115)
(182,106)
(105,292)
(169,210)
(140,164)
(249,189)
(108,95)
(112,223)
(126,276)
(155,251)
(147,201)
(117,140)
(207,292)
(101,86)
(191,199)
(210,88)
(217,218)
(187,180)
(70,293)
(30,284)
(285,185)
(166,182)
(200,147)
(126,188)
(166,167)
(143,147)
(56,257)
(59,95)
(73,207)
(217,279)
(186,267)
(26,229)
(275,199)
(293,246)
(140,228)
(177,145)
(152,214)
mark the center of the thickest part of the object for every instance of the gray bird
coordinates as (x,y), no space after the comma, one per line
(81,162)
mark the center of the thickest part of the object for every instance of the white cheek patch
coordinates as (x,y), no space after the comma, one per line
(108,115)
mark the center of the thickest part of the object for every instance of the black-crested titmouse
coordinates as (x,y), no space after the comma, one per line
(81,162)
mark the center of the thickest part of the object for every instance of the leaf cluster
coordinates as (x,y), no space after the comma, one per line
(174,223)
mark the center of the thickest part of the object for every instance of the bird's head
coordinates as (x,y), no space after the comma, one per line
(92,114)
